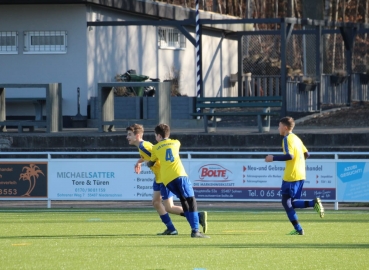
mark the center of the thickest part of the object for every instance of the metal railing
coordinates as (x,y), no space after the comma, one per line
(307,101)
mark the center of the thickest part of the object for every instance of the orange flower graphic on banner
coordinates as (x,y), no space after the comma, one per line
(30,174)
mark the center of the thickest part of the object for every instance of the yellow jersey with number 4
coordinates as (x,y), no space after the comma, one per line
(145,149)
(167,153)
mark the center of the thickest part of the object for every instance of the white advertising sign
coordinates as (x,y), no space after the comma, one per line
(222,179)
(99,180)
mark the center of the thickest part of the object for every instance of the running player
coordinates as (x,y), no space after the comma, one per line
(134,136)
(294,176)
(174,176)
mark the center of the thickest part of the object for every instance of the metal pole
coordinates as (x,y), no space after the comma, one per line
(319,63)
(283,68)
(304,50)
(78,102)
(240,67)
(349,73)
(198,70)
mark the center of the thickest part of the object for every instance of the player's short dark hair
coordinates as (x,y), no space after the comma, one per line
(136,129)
(288,122)
(163,130)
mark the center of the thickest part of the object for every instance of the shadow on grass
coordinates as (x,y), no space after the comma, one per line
(79,221)
(279,246)
(204,243)
(79,236)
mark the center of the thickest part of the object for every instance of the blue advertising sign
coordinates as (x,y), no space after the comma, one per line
(353,181)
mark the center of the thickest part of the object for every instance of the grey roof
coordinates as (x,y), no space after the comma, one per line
(146,7)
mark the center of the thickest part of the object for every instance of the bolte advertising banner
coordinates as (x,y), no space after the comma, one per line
(251,179)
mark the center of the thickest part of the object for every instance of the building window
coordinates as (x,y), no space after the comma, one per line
(45,42)
(171,38)
(8,42)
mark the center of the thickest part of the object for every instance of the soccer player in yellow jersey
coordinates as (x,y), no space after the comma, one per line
(135,137)
(294,175)
(174,176)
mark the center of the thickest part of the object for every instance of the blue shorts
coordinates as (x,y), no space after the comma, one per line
(181,187)
(164,192)
(292,189)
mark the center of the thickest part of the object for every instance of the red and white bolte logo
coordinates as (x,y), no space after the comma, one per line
(214,173)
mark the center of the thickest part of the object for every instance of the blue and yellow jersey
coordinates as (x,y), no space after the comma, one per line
(295,168)
(167,153)
(145,149)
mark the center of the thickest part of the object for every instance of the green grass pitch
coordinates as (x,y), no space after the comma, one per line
(126,239)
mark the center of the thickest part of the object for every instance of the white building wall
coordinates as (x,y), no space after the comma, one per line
(97,54)
(68,69)
(182,62)
(219,59)
(116,49)
(113,50)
